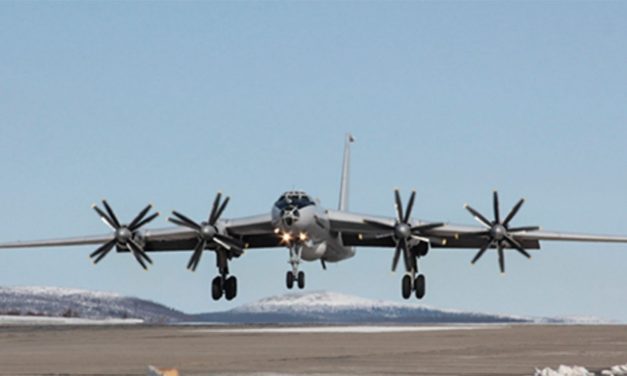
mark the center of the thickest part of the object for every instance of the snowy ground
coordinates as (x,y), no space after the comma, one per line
(347,329)
(581,371)
(37,320)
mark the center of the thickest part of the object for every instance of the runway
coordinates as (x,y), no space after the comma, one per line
(220,350)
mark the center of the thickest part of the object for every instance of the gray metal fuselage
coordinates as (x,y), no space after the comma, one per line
(298,220)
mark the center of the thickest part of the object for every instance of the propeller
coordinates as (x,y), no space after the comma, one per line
(402,231)
(208,232)
(498,232)
(124,235)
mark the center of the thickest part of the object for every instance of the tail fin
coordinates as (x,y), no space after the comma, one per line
(343,205)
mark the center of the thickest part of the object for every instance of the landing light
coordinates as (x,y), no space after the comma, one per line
(286,237)
(302,236)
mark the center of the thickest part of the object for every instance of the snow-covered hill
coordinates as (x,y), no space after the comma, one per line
(74,303)
(330,307)
(22,304)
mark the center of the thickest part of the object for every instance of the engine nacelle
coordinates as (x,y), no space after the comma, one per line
(421,249)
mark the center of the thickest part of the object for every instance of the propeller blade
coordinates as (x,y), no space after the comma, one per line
(406,256)
(195,259)
(397,255)
(521,229)
(501,258)
(102,250)
(222,243)
(139,216)
(497,214)
(214,207)
(481,252)
(377,224)
(410,206)
(233,243)
(145,221)
(189,222)
(111,213)
(139,254)
(140,250)
(513,212)
(517,246)
(399,205)
(220,210)
(429,226)
(105,218)
(181,223)
(478,216)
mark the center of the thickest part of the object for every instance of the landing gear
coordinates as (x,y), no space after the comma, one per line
(412,282)
(419,286)
(230,288)
(295,275)
(299,279)
(223,284)
(406,286)
(217,287)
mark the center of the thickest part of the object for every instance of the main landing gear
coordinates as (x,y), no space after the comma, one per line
(410,284)
(294,275)
(223,284)
(412,281)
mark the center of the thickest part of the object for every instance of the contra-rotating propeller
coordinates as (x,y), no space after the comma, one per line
(207,232)
(124,235)
(498,232)
(402,232)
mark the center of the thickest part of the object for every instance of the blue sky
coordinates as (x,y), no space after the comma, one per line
(170,102)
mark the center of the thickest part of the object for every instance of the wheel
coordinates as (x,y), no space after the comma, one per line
(230,288)
(289,280)
(406,284)
(216,288)
(301,280)
(420,285)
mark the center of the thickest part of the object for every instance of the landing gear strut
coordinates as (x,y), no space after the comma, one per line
(412,282)
(223,284)
(295,275)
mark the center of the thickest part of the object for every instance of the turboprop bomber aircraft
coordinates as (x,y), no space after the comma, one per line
(311,233)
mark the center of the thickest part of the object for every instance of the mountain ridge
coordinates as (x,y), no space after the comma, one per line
(317,307)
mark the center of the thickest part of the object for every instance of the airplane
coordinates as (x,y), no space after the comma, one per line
(312,233)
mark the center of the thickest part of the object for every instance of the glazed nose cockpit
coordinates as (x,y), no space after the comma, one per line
(287,208)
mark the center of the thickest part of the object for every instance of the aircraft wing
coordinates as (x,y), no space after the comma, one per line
(254,231)
(362,230)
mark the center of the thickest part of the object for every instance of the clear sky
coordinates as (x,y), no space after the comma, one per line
(170,102)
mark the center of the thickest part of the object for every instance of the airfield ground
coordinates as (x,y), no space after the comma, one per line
(128,350)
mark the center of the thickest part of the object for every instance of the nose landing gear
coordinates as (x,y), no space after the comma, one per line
(295,275)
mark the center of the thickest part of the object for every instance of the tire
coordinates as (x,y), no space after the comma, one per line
(230,288)
(420,285)
(216,288)
(406,286)
(289,280)
(301,280)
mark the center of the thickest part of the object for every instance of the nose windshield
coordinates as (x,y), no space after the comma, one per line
(294,200)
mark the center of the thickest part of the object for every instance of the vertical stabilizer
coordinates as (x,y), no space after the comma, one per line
(343,205)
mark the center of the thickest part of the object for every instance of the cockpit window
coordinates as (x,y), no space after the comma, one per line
(293,199)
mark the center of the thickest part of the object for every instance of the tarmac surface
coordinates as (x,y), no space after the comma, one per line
(220,350)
